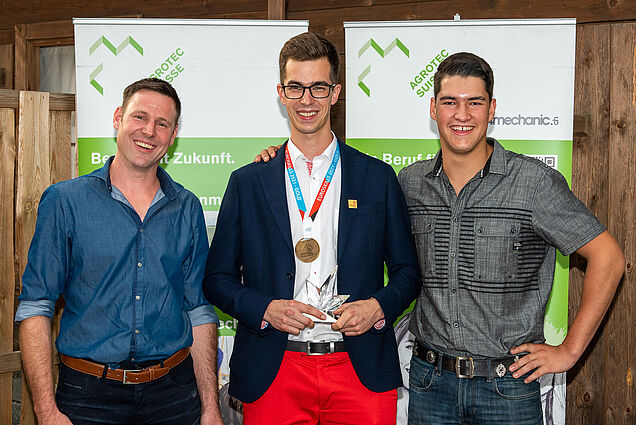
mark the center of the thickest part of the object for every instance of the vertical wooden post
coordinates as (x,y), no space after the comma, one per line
(7,275)
(590,162)
(276,9)
(33,176)
(619,336)
(27,61)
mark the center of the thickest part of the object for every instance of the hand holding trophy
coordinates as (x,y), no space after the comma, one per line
(324,297)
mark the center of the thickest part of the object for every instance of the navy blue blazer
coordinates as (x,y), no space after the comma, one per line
(253,240)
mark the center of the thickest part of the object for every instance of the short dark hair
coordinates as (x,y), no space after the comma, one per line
(309,46)
(464,64)
(152,84)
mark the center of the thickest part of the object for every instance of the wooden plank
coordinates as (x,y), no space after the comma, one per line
(33,169)
(57,101)
(6,66)
(6,36)
(27,61)
(9,98)
(10,362)
(7,275)
(20,68)
(14,11)
(60,145)
(33,176)
(590,161)
(582,10)
(58,33)
(61,102)
(621,323)
(276,9)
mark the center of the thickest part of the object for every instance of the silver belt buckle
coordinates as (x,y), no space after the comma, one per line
(458,361)
(124,378)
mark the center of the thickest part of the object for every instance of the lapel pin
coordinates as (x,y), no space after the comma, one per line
(353,203)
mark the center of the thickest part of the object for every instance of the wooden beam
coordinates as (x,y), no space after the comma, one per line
(276,9)
(620,364)
(57,101)
(9,363)
(20,67)
(56,33)
(590,162)
(27,61)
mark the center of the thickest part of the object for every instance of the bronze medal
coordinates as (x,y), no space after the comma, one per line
(307,250)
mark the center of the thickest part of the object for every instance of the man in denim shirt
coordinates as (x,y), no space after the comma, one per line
(126,247)
(487,223)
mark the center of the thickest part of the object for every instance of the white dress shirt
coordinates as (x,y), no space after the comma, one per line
(324,229)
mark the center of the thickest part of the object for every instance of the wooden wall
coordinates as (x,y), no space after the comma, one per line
(601,386)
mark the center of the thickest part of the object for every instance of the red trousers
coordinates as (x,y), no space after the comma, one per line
(311,390)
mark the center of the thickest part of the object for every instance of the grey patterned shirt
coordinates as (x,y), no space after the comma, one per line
(488,254)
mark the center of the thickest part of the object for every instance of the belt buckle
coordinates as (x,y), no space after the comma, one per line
(123,380)
(332,348)
(458,361)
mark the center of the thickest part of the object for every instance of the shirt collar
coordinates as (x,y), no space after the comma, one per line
(168,186)
(495,164)
(295,153)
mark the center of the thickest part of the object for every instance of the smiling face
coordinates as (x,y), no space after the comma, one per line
(145,130)
(309,116)
(462,110)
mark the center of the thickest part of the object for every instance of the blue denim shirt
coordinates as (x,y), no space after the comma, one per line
(132,289)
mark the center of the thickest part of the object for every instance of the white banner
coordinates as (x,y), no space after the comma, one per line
(390,68)
(225,72)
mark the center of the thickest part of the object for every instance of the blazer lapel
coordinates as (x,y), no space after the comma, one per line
(272,176)
(353,169)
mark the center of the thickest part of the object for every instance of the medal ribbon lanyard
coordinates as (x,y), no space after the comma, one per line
(298,194)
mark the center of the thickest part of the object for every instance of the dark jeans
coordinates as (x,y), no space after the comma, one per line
(171,399)
(441,398)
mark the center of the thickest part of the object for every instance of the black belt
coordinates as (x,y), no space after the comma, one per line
(316,348)
(464,367)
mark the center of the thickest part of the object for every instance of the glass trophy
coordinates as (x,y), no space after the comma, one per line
(324,297)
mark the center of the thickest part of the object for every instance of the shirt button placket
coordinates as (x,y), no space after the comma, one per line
(137,288)
(453,257)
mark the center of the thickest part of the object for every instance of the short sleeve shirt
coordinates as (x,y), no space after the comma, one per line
(487,254)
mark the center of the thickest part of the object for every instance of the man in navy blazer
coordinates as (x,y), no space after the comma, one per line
(274,246)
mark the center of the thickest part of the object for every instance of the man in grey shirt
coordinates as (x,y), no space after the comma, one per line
(487,224)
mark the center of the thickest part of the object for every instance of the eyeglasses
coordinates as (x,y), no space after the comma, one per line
(317,91)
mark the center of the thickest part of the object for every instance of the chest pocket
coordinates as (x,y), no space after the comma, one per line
(423,228)
(496,250)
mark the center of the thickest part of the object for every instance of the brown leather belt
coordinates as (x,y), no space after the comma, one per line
(126,376)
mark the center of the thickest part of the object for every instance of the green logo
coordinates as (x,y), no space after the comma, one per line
(128,41)
(380,51)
